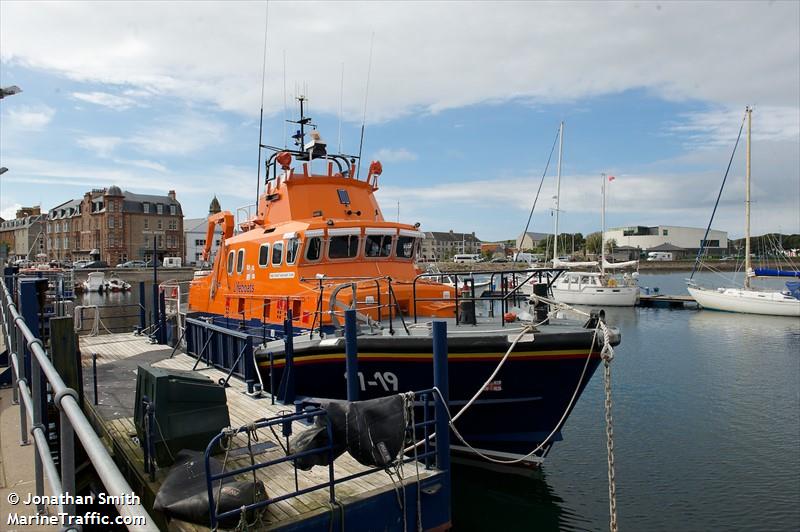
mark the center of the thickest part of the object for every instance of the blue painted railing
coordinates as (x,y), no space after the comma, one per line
(223,348)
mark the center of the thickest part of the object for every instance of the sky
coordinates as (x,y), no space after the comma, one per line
(461,103)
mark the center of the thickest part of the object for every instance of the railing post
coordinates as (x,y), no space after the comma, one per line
(288,368)
(351,351)
(162,312)
(440,381)
(29,307)
(249,367)
(142,311)
(67,455)
(154,303)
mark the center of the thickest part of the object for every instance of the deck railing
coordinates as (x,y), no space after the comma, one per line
(33,372)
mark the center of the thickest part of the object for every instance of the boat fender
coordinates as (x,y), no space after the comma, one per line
(184,493)
(509,317)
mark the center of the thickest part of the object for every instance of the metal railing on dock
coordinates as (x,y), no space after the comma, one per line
(33,374)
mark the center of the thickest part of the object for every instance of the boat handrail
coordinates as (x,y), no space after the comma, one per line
(549,275)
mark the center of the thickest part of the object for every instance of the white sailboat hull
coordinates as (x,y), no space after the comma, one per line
(771,303)
(623,296)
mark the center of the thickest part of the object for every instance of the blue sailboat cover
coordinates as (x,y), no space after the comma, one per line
(770,272)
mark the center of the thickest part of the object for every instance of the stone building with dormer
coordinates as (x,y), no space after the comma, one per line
(116,226)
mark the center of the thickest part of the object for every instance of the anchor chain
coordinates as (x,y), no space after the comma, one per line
(607,354)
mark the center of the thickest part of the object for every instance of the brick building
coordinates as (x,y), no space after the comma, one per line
(116,225)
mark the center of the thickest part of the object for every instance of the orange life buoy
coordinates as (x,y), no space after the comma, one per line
(509,317)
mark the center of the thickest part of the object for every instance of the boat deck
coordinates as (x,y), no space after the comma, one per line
(118,356)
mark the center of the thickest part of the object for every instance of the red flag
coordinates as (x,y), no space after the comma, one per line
(611,178)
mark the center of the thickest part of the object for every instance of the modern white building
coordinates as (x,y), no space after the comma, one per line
(194,231)
(688,238)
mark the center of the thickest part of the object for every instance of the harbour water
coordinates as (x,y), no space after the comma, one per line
(706,424)
(706,432)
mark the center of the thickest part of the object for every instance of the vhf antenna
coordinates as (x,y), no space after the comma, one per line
(261,114)
(366,94)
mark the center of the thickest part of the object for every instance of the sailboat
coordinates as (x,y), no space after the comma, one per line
(749,299)
(590,288)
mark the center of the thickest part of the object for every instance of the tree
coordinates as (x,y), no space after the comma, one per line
(610,245)
(593,242)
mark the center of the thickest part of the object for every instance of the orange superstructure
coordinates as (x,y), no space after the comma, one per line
(317,233)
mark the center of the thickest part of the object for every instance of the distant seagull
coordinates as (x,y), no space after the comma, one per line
(9,91)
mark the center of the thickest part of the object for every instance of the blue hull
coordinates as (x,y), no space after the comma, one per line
(521,409)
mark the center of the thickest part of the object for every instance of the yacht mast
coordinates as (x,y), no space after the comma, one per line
(747,265)
(558,189)
(603,229)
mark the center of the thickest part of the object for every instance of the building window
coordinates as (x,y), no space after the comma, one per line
(160,241)
(160,208)
(159,223)
(147,223)
(665,232)
(173,210)
(111,206)
(146,208)
(111,222)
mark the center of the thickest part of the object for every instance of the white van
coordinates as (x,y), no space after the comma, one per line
(466,258)
(173,262)
(654,256)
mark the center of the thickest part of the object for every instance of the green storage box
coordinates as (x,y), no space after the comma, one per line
(190,409)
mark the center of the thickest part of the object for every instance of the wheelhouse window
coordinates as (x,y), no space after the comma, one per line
(230,263)
(376,246)
(343,247)
(292,248)
(277,253)
(240,261)
(405,247)
(263,255)
(313,249)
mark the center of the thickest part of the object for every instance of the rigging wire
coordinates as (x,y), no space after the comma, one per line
(261,115)
(341,100)
(541,181)
(716,204)
(366,94)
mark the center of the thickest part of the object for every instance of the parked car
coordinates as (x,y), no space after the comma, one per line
(95,264)
(132,264)
(499,259)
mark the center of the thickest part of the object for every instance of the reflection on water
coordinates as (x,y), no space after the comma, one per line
(487,499)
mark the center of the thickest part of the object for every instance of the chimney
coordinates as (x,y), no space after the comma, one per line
(171,195)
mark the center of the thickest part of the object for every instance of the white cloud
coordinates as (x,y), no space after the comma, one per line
(394,155)
(718,127)
(462,53)
(102,146)
(9,211)
(105,99)
(32,118)
(178,135)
